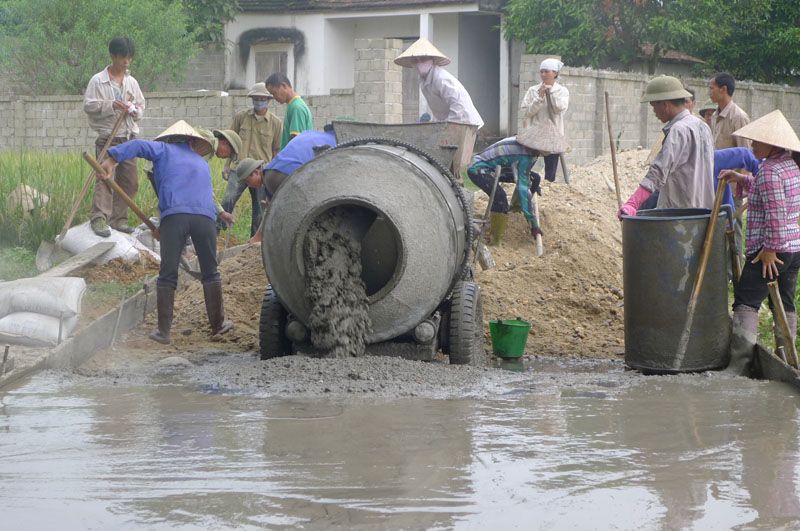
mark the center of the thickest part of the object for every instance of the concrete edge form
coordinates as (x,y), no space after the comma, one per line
(99,334)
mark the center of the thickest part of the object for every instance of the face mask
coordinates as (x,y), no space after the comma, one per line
(424,67)
(259,105)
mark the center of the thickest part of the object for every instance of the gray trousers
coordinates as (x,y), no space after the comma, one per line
(174,230)
(105,203)
(234,190)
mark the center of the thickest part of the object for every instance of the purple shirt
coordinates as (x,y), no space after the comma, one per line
(774,205)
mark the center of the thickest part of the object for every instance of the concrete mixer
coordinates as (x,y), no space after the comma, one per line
(414,222)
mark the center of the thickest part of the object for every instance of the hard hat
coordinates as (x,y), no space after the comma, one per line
(664,88)
(232,137)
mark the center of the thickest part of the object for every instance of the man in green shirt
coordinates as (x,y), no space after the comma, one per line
(298,117)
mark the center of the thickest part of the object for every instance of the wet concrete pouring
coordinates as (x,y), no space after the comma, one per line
(204,435)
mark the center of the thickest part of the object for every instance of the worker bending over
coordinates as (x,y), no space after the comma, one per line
(186,202)
(506,153)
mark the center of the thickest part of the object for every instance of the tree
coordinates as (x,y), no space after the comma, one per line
(593,32)
(207,19)
(55,46)
(764,44)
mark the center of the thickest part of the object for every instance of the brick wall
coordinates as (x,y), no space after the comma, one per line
(634,123)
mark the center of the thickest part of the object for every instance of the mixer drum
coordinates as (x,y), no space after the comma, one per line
(412,218)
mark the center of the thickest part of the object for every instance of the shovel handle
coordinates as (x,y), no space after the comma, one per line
(88,181)
(121,193)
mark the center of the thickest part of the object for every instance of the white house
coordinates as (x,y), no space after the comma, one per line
(312,41)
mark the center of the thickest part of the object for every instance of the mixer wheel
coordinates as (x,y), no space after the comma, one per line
(466,324)
(272,338)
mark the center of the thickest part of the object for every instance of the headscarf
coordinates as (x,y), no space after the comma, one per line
(554,65)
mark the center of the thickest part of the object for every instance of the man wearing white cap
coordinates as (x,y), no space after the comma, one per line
(772,243)
(186,202)
(683,170)
(535,108)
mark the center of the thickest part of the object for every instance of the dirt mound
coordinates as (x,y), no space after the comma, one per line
(120,272)
(572,294)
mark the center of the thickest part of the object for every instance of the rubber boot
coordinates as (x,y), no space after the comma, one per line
(743,341)
(498,222)
(212,293)
(165,302)
(791,320)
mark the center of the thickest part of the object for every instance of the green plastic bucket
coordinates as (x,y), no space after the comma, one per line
(509,337)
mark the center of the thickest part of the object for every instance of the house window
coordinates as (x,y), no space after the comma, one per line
(268,58)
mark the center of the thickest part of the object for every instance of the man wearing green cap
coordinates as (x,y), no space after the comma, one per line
(683,171)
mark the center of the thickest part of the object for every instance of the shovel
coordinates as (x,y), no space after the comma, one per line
(50,253)
(133,206)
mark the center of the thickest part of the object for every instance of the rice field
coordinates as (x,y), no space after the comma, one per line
(60,176)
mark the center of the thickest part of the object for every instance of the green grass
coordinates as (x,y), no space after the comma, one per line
(17,262)
(61,177)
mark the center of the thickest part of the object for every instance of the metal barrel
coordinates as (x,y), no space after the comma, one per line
(411,219)
(661,254)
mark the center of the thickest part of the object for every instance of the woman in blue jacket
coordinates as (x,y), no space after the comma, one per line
(186,201)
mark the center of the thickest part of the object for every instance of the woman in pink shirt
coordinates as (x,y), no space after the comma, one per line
(772,243)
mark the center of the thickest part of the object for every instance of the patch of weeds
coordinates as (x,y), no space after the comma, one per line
(17,262)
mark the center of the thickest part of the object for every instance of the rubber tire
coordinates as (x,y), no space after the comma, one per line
(272,340)
(465,325)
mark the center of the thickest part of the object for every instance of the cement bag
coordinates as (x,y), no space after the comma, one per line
(45,295)
(34,329)
(81,237)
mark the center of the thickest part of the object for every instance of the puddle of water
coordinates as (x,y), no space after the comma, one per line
(597,452)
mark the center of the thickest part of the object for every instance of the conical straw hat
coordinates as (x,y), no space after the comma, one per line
(180,131)
(773,129)
(421,48)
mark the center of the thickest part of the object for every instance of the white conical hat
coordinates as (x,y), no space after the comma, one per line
(421,48)
(179,132)
(773,129)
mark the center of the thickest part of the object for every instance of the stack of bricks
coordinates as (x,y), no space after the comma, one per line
(378,81)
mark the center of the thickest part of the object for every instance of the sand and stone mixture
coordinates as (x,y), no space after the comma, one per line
(572,294)
(339,321)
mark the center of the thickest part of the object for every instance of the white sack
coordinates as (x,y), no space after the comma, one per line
(34,329)
(44,295)
(81,237)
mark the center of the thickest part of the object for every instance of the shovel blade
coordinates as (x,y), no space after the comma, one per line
(48,255)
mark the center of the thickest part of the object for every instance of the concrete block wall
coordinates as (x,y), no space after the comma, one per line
(634,123)
(378,81)
(58,122)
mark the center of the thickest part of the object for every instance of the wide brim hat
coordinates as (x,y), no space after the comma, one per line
(247,166)
(773,129)
(181,131)
(260,89)
(421,48)
(232,137)
(664,88)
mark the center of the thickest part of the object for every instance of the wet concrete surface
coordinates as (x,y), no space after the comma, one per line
(559,445)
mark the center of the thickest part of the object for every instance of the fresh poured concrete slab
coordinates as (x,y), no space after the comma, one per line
(558,445)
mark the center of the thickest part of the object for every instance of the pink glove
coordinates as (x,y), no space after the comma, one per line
(634,202)
(131,108)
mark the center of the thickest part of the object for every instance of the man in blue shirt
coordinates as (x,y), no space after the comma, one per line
(186,201)
(297,152)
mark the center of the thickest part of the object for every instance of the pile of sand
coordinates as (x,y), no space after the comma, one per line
(572,294)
